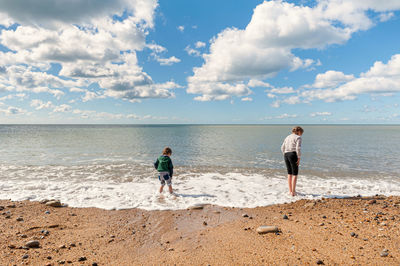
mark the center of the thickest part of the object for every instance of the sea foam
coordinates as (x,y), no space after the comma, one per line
(91,186)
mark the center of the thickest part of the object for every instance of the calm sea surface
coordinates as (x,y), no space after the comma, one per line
(233,165)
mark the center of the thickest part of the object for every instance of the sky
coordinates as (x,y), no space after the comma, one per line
(199,62)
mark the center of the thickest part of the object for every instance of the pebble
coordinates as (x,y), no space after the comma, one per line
(47,212)
(61,261)
(62,246)
(48,257)
(171,249)
(94,264)
(204,223)
(321,224)
(11,206)
(285,217)
(196,207)
(133,232)
(245,215)
(12,246)
(43,201)
(32,244)
(320,262)
(25,256)
(82,259)
(54,203)
(324,217)
(372,201)
(72,245)
(23,236)
(263,229)
(1,208)
(45,232)
(384,254)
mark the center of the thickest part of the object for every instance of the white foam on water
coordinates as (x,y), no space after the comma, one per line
(231,189)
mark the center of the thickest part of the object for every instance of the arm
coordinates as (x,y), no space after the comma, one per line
(298,150)
(171,168)
(156,164)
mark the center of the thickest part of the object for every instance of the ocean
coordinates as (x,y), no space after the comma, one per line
(111,166)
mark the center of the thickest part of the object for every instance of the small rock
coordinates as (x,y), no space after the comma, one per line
(48,257)
(25,256)
(32,244)
(285,217)
(320,262)
(133,232)
(204,223)
(245,215)
(53,226)
(263,229)
(43,201)
(82,259)
(45,232)
(324,217)
(112,236)
(47,212)
(72,245)
(170,249)
(11,206)
(23,236)
(61,261)
(94,264)
(372,201)
(321,224)
(62,246)
(1,208)
(144,226)
(385,250)
(353,234)
(196,207)
(54,203)
(7,217)
(12,246)
(384,254)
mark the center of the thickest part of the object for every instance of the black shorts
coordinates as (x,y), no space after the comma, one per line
(291,163)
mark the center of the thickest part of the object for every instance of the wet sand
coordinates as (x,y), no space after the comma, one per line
(328,231)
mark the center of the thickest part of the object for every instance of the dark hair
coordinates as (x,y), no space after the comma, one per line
(297,129)
(166,151)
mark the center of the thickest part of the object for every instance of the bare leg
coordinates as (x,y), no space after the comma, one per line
(290,184)
(294,180)
(161,188)
(170,189)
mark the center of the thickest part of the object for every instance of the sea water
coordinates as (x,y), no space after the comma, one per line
(111,166)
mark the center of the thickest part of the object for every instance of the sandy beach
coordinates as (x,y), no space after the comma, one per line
(329,231)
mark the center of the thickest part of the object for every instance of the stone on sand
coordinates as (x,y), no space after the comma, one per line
(264,229)
(197,207)
(32,244)
(54,203)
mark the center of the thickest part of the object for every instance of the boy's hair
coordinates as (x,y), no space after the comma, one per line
(166,151)
(297,129)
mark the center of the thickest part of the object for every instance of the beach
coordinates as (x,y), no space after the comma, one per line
(357,230)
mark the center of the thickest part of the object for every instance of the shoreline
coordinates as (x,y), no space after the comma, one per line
(356,230)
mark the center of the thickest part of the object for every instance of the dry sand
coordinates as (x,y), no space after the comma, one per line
(329,231)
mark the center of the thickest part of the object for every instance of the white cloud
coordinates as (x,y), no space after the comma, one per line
(386,16)
(218,91)
(181,28)
(85,40)
(282,116)
(381,79)
(75,89)
(62,108)
(192,52)
(247,99)
(11,110)
(90,95)
(39,104)
(54,12)
(265,46)
(168,61)
(320,114)
(200,44)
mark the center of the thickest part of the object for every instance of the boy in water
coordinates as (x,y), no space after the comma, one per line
(165,169)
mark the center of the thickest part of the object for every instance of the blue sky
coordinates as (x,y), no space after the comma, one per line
(289,62)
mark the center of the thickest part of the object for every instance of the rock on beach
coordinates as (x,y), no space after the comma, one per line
(264,229)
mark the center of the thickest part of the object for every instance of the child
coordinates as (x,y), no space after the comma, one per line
(165,169)
(291,148)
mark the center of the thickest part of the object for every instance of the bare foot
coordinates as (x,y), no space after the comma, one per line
(294,194)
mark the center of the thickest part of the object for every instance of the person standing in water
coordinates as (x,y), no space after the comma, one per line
(165,169)
(291,149)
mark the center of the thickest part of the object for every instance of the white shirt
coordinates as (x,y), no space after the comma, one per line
(292,143)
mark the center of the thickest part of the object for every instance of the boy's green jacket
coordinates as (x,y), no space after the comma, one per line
(164,164)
